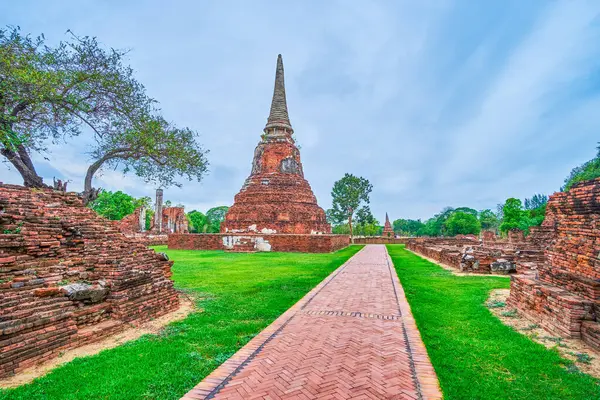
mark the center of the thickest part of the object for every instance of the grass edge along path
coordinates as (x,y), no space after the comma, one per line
(474,355)
(239,294)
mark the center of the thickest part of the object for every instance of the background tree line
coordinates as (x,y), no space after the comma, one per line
(117,205)
(512,214)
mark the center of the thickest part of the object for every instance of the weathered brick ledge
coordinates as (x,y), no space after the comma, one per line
(244,242)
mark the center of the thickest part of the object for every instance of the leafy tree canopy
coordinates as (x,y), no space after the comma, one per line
(462,223)
(407,227)
(349,194)
(536,201)
(586,171)
(116,205)
(198,222)
(214,217)
(52,93)
(488,220)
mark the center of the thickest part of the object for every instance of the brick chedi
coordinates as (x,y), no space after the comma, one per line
(388,231)
(69,277)
(275,197)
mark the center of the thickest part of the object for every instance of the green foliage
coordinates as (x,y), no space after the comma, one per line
(536,201)
(463,223)
(516,217)
(467,344)
(237,295)
(214,217)
(149,219)
(50,93)
(340,229)
(407,227)
(586,171)
(349,194)
(198,222)
(488,220)
(154,150)
(116,205)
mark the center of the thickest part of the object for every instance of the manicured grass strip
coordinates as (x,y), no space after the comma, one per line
(240,293)
(475,356)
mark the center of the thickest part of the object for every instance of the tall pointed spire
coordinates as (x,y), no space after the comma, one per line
(387,219)
(278,117)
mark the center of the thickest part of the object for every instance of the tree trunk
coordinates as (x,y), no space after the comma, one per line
(350,226)
(22,163)
(89,193)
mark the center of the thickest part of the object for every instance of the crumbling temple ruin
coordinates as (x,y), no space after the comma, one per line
(388,231)
(555,270)
(166,220)
(491,255)
(68,277)
(276,208)
(564,295)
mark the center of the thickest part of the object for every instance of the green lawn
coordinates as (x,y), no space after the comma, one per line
(474,354)
(240,293)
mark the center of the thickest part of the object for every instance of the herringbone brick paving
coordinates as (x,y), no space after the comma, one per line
(352,337)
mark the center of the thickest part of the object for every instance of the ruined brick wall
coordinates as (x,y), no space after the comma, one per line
(69,277)
(467,254)
(148,238)
(258,242)
(566,294)
(174,220)
(133,223)
(380,240)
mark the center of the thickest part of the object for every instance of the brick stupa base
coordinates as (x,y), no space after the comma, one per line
(302,243)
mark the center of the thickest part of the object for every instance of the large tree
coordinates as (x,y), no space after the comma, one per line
(198,221)
(513,215)
(349,195)
(488,220)
(407,227)
(52,93)
(462,223)
(214,217)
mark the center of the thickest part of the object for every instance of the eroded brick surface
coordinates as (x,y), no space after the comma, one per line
(565,295)
(491,255)
(259,242)
(352,337)
(69,277)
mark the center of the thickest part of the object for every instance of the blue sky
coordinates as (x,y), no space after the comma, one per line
(438,103)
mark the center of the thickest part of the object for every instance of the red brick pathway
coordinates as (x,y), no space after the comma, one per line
(351,337)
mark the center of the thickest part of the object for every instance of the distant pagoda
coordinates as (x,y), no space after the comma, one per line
(387,228)
(276,198)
